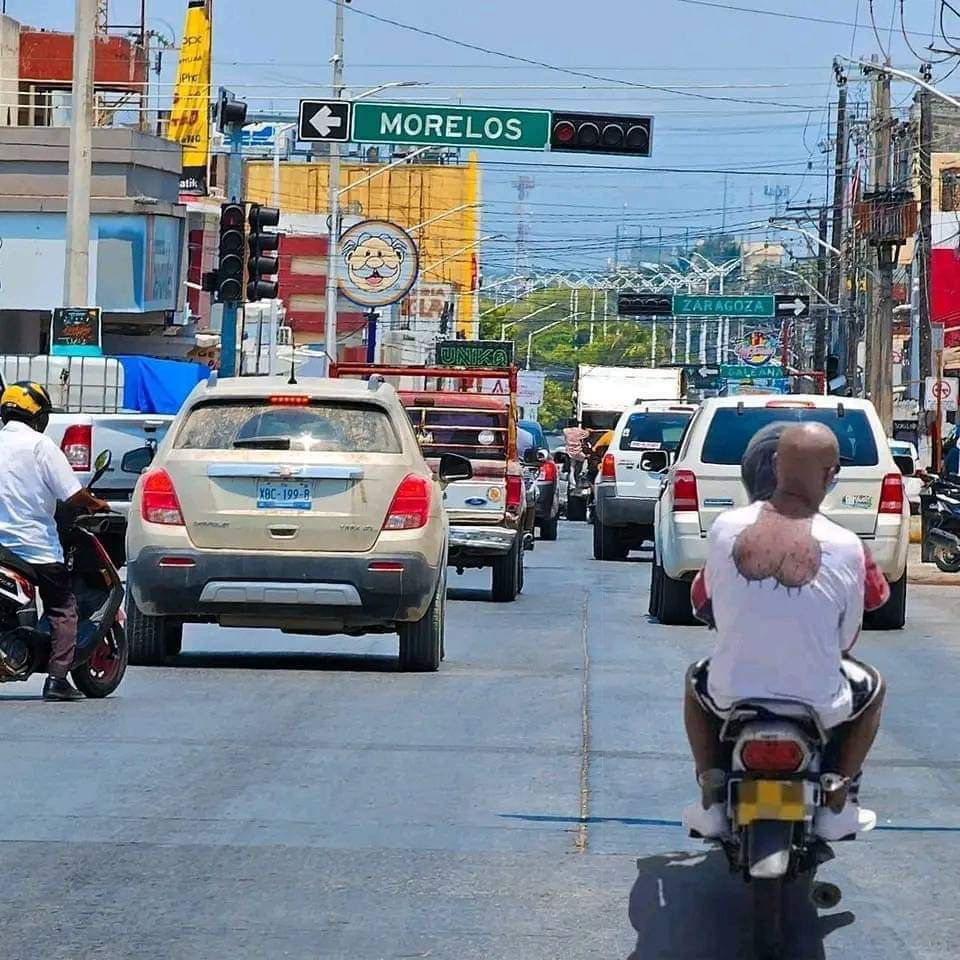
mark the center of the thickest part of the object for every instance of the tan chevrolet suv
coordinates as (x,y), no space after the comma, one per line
(305,507)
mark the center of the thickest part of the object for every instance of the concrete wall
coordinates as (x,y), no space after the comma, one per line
(9,70)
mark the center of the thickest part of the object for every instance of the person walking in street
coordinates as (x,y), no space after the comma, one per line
(575,441)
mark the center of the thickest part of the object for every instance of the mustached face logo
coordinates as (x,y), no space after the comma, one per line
(373,263)
(381,263)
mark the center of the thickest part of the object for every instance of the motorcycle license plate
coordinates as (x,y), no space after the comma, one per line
(788,800)
(283,495)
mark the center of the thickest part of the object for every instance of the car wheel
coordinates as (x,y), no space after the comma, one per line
(548,529)
(608,543)
(577,509)
(173,637)
(421,642)
(506,574)
(147,636)
(893,614)
(676,608)
(653,607)
(521,574)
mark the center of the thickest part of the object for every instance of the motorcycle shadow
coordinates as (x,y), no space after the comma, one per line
(688,906)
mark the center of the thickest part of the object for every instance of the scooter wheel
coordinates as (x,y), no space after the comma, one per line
(825,896)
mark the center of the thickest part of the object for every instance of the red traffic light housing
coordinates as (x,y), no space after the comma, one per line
(261,242)
(601,133)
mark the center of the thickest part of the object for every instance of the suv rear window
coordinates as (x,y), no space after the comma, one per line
(319,426)
(665,429)
(730,432)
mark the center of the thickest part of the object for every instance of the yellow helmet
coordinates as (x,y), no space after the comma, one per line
(27,402)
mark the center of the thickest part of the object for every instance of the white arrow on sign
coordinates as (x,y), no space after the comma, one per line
(323,121)
(796,307)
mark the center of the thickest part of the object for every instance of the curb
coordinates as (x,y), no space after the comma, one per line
(932,577)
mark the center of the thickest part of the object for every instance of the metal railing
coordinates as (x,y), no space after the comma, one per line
(75,384)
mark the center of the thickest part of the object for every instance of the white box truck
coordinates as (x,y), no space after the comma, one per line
(603,393)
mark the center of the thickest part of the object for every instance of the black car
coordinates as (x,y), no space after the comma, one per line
(548,488)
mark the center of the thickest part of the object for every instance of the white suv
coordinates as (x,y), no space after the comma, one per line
(631,475)
(704,480)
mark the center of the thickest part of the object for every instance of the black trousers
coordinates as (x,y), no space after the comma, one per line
(60,605)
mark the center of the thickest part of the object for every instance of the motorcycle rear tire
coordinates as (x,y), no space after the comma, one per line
(96,687)
(768,919)
(947,560)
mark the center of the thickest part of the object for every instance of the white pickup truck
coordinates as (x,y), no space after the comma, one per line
(83,426)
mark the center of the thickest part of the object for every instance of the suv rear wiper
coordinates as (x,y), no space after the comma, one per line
(262,443)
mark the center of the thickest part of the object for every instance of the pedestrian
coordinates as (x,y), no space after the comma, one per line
(575,440)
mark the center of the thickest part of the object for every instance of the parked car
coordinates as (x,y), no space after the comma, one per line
(547,508)
(306,507)
(631,474)
(704,480)
(908,462)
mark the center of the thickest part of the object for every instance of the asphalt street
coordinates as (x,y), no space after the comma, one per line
(272,796)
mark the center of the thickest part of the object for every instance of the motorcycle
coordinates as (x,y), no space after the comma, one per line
(773,787)
(943,513)
(25,638)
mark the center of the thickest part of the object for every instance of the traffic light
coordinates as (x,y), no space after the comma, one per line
(230,270)
(601,133)
(230,110)
(262,242)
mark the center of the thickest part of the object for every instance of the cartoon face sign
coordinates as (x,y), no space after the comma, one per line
(381,263)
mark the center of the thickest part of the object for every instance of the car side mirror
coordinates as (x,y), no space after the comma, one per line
(136,461)
(655,461)
(905,465)
(453,467)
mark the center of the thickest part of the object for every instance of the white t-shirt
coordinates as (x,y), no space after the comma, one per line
(787,599)
(34,475)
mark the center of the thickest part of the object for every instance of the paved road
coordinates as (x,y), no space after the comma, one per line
(520,804)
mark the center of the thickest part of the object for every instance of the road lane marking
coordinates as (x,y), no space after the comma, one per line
(582,838)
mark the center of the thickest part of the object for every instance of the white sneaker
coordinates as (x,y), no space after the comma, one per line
(710,823)
(851,820)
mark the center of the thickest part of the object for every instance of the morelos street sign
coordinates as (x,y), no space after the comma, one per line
(453,126)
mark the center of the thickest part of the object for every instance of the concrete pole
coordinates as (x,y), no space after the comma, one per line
(333,236)
(76,291)
(883,358)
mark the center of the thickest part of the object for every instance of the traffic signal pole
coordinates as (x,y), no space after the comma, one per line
(333,236)
(231,308)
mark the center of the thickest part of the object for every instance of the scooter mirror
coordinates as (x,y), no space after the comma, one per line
(100,466)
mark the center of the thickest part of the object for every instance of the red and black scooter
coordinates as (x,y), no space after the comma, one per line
(101,658)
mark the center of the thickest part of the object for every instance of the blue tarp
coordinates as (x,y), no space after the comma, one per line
(159,386)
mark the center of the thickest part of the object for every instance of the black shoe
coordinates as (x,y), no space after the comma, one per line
(55,689)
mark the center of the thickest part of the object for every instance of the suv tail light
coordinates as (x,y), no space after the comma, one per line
(410,508)
(514,491)
(76,446)
(685,496)
(159,503)
(771,756)
(548,472)
(891,494)
(608,467)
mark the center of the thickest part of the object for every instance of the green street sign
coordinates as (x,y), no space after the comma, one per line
(474,353)
(706,306)
(451,126)
(747,371)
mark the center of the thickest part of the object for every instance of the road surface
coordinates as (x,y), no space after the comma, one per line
(522,803)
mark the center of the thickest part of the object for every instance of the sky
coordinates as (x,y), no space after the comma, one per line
(742,101)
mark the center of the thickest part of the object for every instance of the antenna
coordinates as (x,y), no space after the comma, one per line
(293,360)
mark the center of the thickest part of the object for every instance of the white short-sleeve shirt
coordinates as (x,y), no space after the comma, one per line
(788,600)
(34,475)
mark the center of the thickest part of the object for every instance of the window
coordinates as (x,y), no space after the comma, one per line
(730,432)
(950,189)
(476,434)
(664,429)
(317,427)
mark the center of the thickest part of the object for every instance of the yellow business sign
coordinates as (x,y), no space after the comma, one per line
(190,116)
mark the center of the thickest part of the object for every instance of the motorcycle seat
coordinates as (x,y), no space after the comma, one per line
(11,561)
(749,711)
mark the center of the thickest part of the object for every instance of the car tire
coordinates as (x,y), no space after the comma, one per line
(893,614)
(548,529)
(147,636)
(421,642)
(608,543)
(676,609)
(173,637)
(653,607)
(505,583)
(577,509)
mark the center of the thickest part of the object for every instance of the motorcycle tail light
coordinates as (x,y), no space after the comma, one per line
(772,756)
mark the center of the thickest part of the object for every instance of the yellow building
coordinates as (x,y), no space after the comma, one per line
(437,204)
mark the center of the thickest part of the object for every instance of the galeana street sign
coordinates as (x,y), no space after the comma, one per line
(418,123)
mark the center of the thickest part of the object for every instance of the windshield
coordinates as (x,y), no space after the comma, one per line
(323,427)
(475,434)
(730,431)
(646,431)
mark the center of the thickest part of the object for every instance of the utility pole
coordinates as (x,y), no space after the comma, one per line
(925,244)
(333,237)
(820,329)
(76,288)
(839,183)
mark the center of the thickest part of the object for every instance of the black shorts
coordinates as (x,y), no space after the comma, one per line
(862,680)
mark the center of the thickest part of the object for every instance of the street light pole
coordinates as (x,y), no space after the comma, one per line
(76,273)
(333,235)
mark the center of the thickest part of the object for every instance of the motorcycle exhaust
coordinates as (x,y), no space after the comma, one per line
(944,538)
